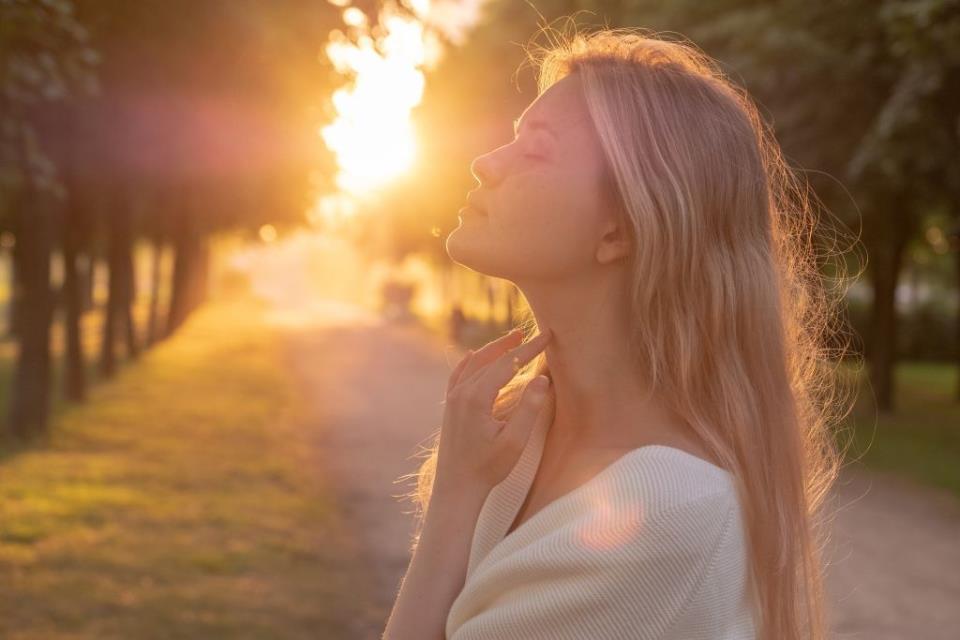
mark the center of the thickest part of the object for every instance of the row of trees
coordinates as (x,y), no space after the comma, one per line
(167,121)
(158,121)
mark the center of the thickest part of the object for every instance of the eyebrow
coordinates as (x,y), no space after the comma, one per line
(533,123)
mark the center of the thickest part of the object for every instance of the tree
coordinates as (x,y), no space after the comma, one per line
(44,61)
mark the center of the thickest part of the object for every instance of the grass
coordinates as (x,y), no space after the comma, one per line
(91,337)
(921,438)
(181,501)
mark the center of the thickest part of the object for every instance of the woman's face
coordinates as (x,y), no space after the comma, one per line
(543,211)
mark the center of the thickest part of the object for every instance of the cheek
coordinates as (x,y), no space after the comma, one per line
(556,196)
(552,219)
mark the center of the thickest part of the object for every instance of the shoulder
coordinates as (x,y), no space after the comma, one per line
(664,485)
(665,506)
(659,492)
(673,543)
(672,475)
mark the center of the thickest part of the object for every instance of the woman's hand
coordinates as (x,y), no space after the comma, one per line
(477,451)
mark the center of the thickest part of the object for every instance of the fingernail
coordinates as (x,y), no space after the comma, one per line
(540,383)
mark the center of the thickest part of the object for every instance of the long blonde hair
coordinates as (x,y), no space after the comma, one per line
(733,323)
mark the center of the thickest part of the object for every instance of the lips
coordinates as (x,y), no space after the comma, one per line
(472,211)
(474,207)
(468,213)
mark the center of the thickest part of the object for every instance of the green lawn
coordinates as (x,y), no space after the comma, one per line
(182,501)
(922,438)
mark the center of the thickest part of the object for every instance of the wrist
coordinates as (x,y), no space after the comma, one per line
(450,520)
(455,506)
(456,491)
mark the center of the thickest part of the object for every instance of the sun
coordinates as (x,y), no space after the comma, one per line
(373,136)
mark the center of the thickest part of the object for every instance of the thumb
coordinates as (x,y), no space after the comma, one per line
(524,416)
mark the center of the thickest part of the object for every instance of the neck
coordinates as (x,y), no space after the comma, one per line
(601,397)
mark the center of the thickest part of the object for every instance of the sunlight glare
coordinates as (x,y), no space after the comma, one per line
(373,136)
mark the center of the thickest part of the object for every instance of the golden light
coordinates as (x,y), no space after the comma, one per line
(354,17)
(268,233)
(372,134)
(332,210)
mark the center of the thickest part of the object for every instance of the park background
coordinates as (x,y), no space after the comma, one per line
(227,315)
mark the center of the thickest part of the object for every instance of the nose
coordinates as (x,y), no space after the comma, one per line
(484,168)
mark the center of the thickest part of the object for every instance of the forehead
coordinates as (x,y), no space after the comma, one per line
(561,105)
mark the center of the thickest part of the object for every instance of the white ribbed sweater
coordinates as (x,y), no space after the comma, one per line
(651,547)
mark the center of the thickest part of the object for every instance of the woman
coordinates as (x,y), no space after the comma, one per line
(652,463)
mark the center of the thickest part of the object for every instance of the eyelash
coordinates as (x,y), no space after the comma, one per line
(527,154)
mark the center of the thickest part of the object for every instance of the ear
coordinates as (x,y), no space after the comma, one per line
(614,244)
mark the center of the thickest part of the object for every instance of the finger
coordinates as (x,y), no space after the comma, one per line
(517,429)
(501,371)
(489,352)
(458,370)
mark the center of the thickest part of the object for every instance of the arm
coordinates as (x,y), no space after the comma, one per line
(437,569)
(475,452)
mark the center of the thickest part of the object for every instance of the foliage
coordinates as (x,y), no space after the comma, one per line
(45,57)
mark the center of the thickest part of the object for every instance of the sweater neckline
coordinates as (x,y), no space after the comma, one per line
(517,485)
(505,499)
(597,478)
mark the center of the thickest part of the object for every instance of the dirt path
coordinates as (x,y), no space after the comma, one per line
(376,390)
(895,555)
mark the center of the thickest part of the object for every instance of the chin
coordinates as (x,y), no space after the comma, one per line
(462,248)
(465,247)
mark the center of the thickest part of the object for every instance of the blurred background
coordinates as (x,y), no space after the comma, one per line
(227,317)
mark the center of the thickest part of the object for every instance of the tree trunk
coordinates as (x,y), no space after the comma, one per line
(129,286)
(14,293)
(86,276)
(73,234)
(74,380)
(30,397)
(182,267)
(190,268)
(155,265)
(202,283)
(893,229)
(956,254)
(115,284)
